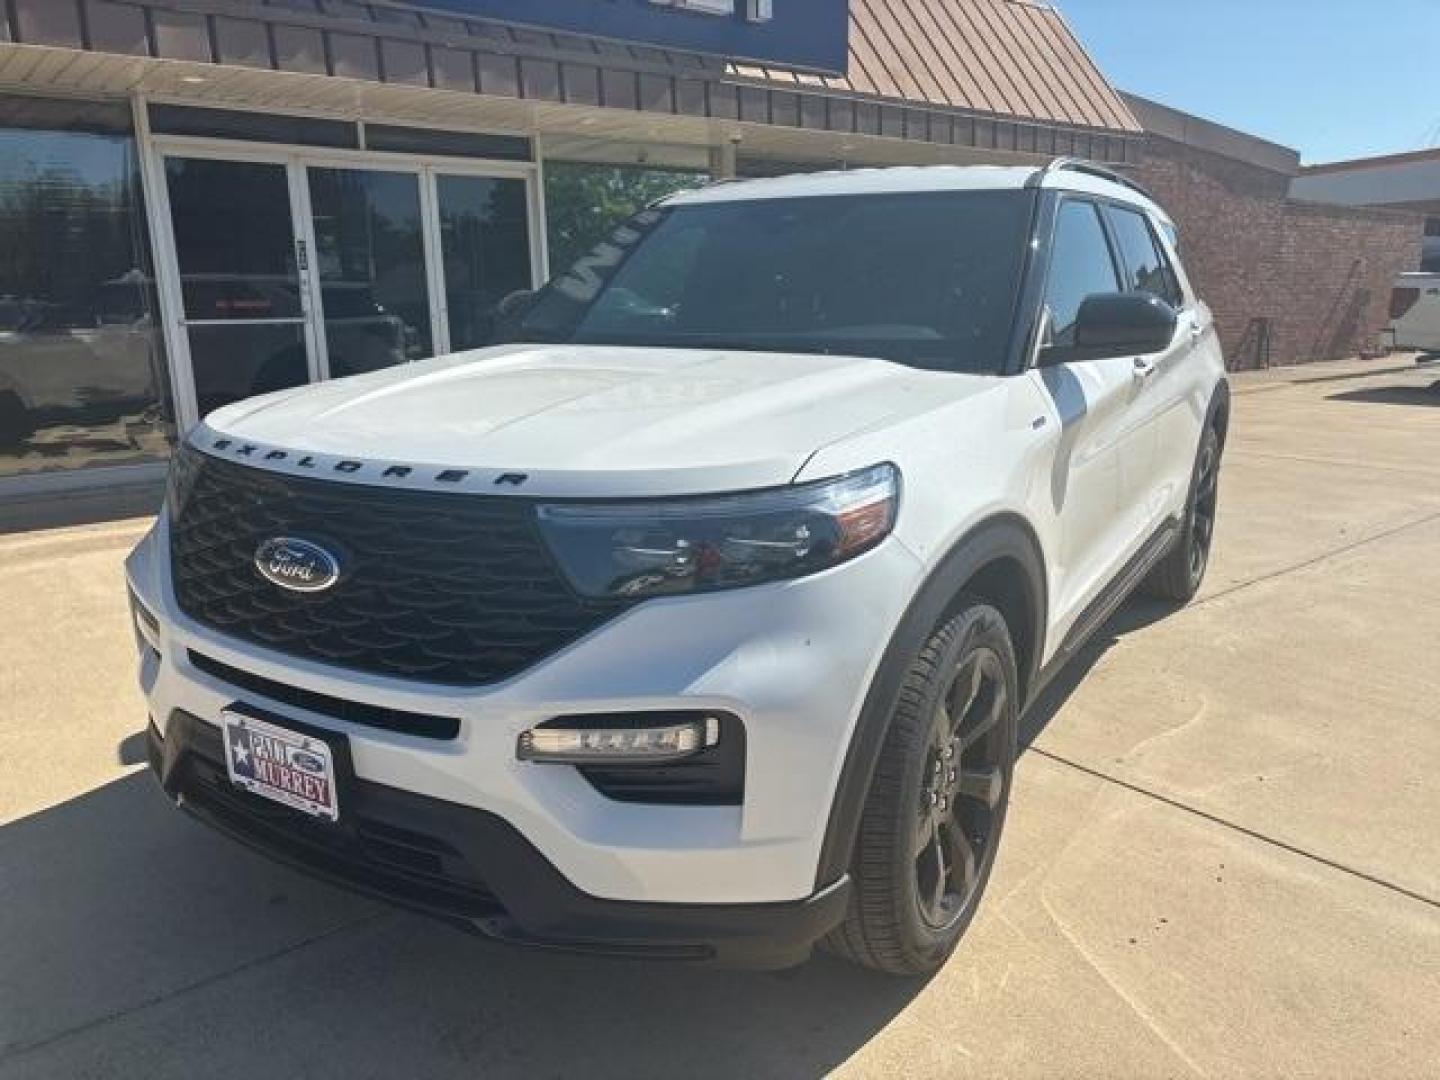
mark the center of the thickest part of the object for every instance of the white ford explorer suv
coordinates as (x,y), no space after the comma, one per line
(695,621)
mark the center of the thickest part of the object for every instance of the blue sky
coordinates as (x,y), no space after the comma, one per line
(1331,78)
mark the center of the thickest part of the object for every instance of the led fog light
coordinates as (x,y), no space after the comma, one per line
(630,742)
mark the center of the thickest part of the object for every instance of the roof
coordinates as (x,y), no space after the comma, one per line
(902,179)
(1167,122)
(1400,181)
(1004,57)
(1411,157)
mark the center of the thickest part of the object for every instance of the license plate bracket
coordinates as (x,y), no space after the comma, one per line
(279,761)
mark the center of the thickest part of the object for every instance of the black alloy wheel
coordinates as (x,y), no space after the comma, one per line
(936,806)
(962,787)
(1202,508)
(1177,577)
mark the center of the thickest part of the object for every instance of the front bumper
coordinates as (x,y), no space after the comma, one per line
(470,867)
(792,661)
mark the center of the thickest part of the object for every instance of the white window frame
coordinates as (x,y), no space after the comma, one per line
(154,149)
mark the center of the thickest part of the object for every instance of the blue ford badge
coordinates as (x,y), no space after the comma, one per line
(296,564)
(309,762)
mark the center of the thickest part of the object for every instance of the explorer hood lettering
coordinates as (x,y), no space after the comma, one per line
(583,420)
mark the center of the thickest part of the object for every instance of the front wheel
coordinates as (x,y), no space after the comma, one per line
(936,806)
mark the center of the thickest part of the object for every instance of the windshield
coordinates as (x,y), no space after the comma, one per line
(925,279)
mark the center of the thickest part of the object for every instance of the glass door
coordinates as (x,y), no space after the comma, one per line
(370,267)
(485,251)
(286,266)
(242,299)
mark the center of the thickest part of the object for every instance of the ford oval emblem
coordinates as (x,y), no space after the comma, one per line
(303,759)
(295,564)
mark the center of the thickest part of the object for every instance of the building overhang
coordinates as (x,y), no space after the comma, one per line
(396,63)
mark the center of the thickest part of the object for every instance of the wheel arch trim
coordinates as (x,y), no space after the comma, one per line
(1003,536)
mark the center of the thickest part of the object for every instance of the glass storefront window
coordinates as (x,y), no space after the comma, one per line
(239,280)
(485,242)
(370,253)
(82,371)
(584,202)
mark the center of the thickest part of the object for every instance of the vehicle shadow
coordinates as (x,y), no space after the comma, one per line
(1392,395)
(1135,614)
(138,942)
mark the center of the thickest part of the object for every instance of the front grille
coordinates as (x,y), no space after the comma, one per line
(456,589)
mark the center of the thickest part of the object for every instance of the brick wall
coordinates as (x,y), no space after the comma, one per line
(1336,266)
(1319,274)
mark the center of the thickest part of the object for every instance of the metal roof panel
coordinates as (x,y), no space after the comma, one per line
(1009,57)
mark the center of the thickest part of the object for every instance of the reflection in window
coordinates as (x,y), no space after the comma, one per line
(233,238)
(371,257)
(584,202)
(485,242)
(1147,269)
(82,374)
(237,360)
(1080,266)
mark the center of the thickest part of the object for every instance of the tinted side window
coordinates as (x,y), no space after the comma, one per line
(1080,265)
(1146,268)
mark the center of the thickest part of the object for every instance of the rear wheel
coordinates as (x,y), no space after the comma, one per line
(1178,576)
(936,806)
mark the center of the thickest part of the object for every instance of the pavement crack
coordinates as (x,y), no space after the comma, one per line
(1310,459)
(1307,563)
(1253,834)
(21,1049)
(1132,1001)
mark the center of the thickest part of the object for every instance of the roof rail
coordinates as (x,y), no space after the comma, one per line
(1090,168)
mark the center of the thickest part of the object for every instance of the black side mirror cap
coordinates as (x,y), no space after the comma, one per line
(1118,324)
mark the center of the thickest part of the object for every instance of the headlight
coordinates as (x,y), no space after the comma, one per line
(664,546)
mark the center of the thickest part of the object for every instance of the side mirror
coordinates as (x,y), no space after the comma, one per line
(1118,324)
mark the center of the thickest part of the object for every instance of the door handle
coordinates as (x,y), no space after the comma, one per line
(1144,369)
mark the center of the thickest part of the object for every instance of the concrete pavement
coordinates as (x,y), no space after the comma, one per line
(1220,861)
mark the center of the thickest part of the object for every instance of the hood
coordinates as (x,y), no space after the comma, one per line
(585,420)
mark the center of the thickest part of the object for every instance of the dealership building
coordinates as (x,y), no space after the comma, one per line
(201,200)
(206,199)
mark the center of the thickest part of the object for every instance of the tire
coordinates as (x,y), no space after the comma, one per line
(1177,577)
(936,805)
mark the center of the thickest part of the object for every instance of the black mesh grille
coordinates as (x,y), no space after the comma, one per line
(446,588)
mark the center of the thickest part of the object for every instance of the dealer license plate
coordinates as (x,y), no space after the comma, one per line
(277,763)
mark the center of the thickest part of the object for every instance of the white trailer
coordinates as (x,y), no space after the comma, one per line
(1415,312)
